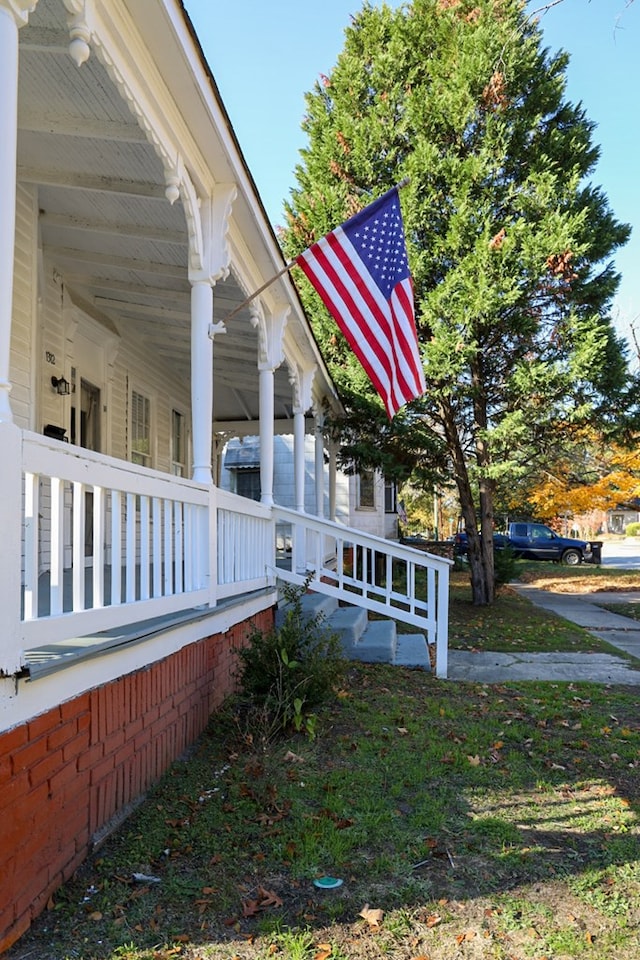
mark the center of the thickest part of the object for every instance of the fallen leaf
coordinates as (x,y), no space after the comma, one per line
(468,935)
(403,731)
(474,761)
(96,915)
(433,920)
(371,915)
(324,951)
(268,898)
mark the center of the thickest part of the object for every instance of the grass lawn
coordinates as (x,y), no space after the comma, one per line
(465,821)
(513,624)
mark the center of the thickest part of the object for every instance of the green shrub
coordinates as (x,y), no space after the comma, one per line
(632,530)
(287,670)
(504,565)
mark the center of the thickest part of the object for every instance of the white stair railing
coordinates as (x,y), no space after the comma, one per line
(380,575)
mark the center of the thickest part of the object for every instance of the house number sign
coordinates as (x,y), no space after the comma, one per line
(50,357)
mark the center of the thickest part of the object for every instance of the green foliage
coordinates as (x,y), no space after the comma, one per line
(286,671)
(510,245)
(632,530)
(504,565)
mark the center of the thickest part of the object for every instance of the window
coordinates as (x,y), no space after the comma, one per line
(248,483)
(178,444)
(366,497)
(140,429)
(390,497)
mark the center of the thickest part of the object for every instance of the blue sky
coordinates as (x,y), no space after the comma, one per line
(266,55)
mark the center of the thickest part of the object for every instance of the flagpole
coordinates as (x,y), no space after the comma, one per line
(255,293)
(286,268)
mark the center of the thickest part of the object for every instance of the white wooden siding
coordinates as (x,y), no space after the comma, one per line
(24,300)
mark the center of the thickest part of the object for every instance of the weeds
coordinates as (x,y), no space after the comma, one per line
(286,671)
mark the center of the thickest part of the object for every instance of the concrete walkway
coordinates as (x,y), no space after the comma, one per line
(581,609)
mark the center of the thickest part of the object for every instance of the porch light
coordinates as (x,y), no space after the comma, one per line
(60,385)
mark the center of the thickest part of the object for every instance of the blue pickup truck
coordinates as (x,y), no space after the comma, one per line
(535,541)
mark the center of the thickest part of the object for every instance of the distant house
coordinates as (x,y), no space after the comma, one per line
(621,516)
(364,500)
(131,236)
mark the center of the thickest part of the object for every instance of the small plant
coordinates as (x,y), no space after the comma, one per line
(632,530)
(291,668)
(504,563)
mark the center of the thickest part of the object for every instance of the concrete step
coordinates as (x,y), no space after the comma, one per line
(370,641)
(349,623)
(412,651)
(377,644)
(313,605)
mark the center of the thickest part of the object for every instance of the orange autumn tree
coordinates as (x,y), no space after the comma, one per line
(616,479)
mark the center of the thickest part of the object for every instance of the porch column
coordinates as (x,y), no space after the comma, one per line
(319,464)
(266,434)
(201,379)
(270,330)
(208,262)
(301,380)
(13,14)
(298,457)
(333,470)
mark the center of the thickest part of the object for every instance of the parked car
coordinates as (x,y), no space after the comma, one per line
(535,541)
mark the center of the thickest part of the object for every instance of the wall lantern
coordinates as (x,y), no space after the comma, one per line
(61,386)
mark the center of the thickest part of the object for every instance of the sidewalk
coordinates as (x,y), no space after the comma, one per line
(581,609)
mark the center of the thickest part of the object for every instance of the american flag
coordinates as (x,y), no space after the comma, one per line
(361,273)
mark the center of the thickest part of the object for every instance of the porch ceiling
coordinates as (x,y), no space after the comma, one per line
(105,222)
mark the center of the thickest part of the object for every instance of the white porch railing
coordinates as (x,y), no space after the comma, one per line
(106,543)
(91,543)
(383,576)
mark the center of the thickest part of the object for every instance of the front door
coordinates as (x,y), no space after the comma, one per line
(85,431)
(85,428)
(85,417)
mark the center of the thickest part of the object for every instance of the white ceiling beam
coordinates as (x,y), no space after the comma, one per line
(156,234)
(142,309)
(82,181)
(65,126)
(123,286)
(247,428)
(41,40)
(74,255)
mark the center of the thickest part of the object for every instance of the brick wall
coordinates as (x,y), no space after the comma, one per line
(67,772)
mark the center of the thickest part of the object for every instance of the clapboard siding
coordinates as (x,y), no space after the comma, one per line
(24,299)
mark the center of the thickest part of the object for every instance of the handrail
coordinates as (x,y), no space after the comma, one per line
(107,543)
(381,575)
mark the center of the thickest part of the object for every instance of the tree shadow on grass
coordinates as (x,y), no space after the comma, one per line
(417,795)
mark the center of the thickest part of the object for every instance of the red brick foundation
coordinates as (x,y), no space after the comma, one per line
(66,773)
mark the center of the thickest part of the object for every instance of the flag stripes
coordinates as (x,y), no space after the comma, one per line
(361,274)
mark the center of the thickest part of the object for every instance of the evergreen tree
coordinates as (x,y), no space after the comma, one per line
(510,245)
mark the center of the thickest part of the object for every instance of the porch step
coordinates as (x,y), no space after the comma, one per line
(313,605)
(370,641)
(349,623)
(412,651)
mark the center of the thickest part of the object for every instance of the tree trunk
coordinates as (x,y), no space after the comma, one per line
(480,557)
